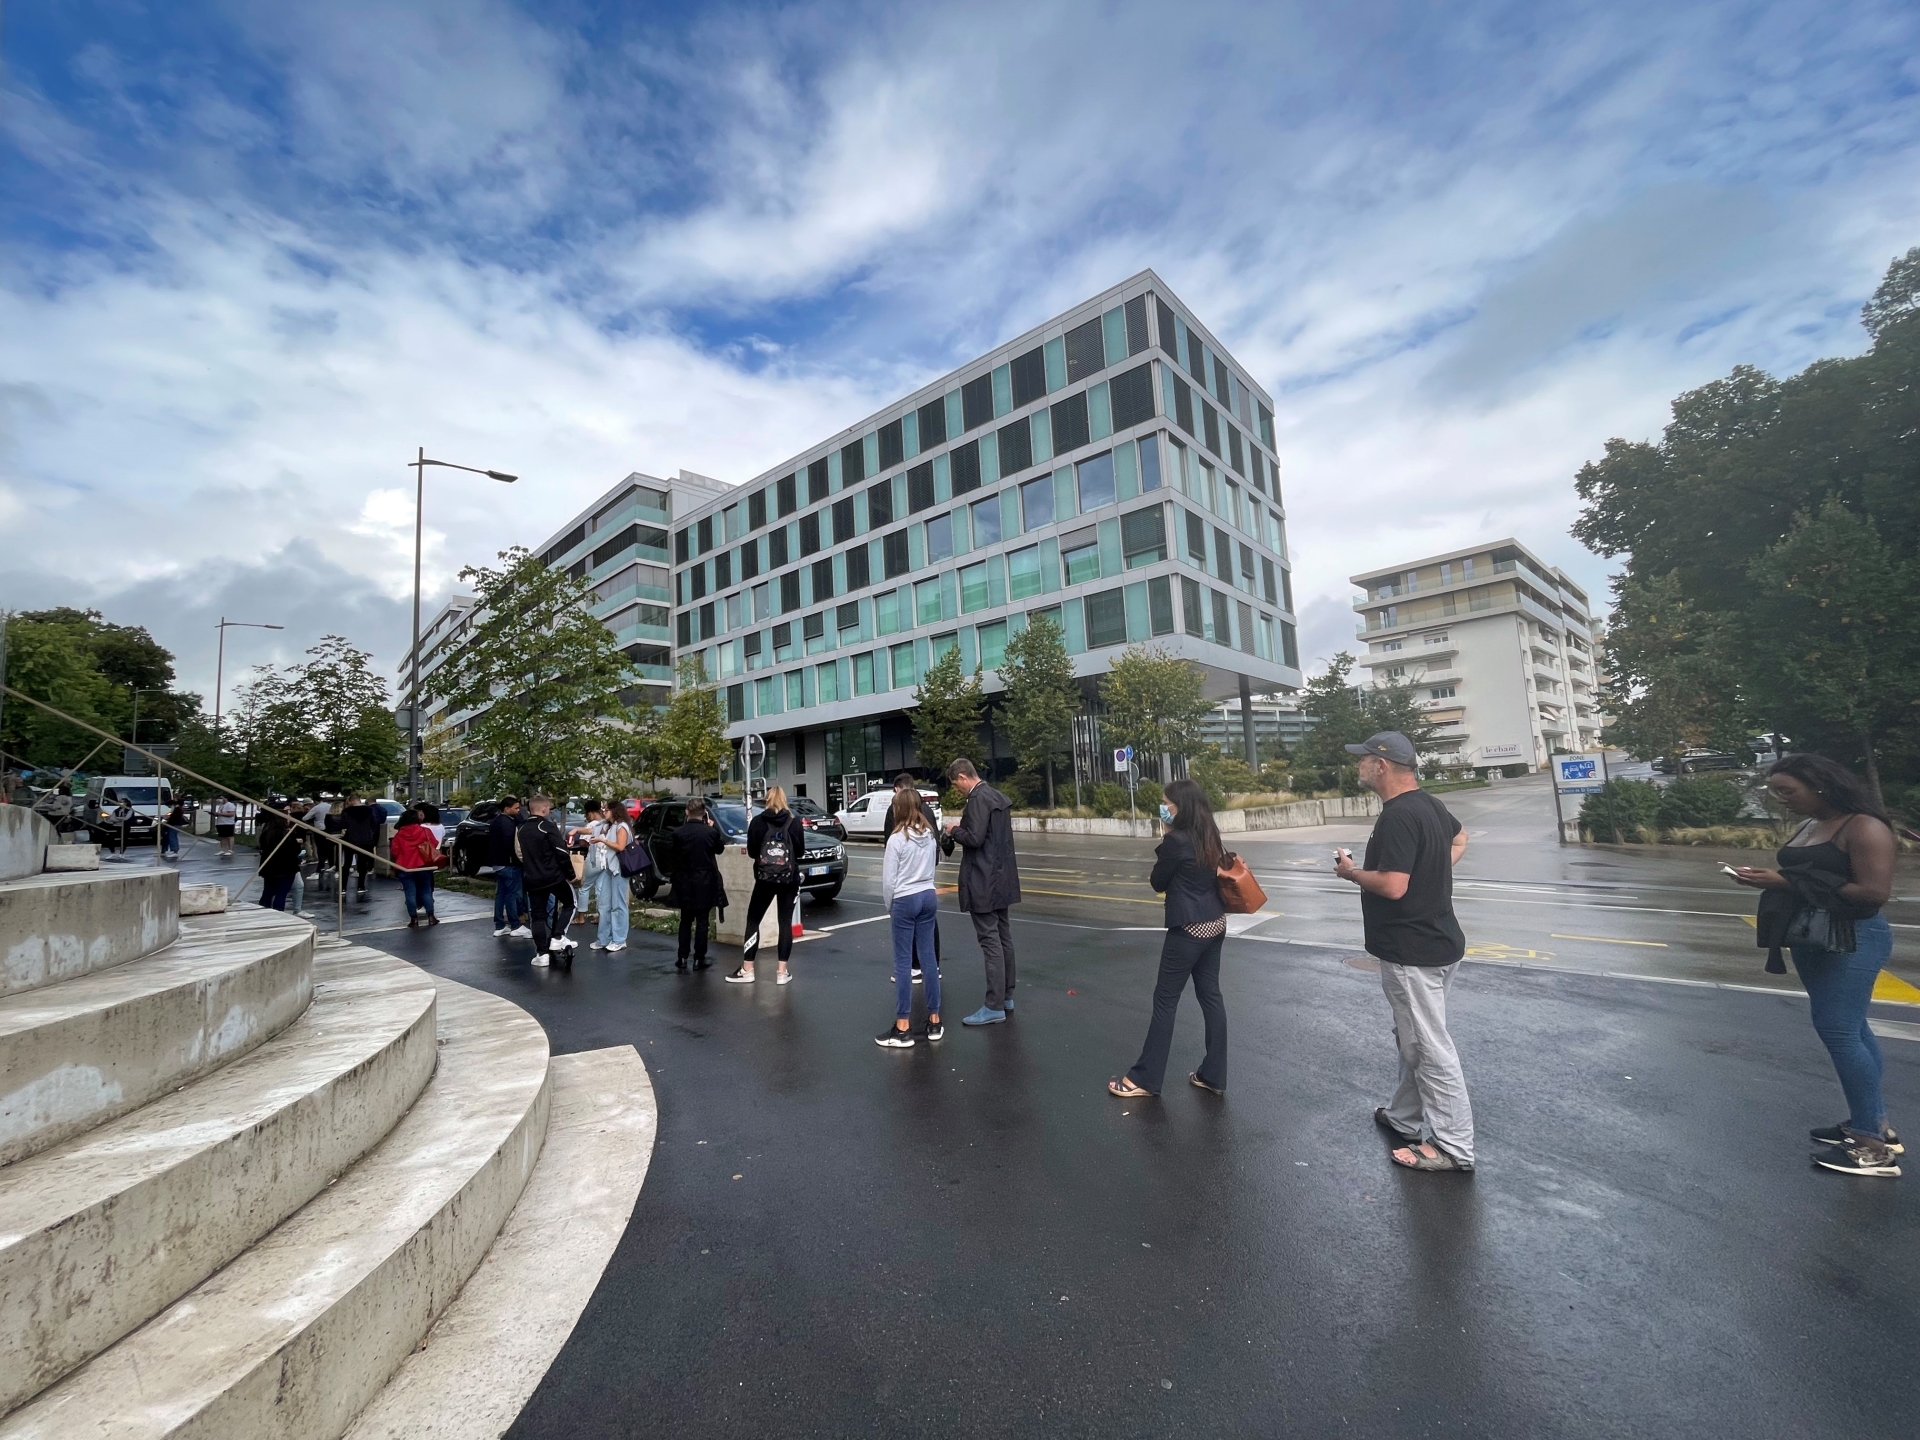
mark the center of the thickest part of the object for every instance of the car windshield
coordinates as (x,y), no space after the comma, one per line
(452,816)
(134,794)
(731,818)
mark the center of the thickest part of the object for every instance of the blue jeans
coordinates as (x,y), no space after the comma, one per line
(913,924)
(170,840)
(1839,985)
(507,902)
(274,890)
(417,887)
(610,889)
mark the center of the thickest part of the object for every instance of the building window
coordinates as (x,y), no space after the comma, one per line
(814,627)
(777,548)
(1143,536)
(1029,377)
(973,588)
(1023,573)
(1080,554)
(766,696)
(1437,637)
(817,481)
(1016,447)
(853,463)
(863,674)
(754,642)
(887,619)
(1223,555)
(723,570)
(1289,645)
(1132,393)
(749,560)
(965,463)
(737,610)
(1071,429)
(893,552)
(823,579)
(706,621)
(1191,610)
(1269,581)
(809,534)
(786,494)
(880,505)
(1160,605)
(1245,616)
(797,689)
(1086,351)
(1441,692)
(826,683)
(1096,482)
(920,487)
(926,601)
(846,620)
(1182,404)
(900,659)
(1222,619)
(939,645)
(1246,565)
(685,624)
(940,537)
(1036,503)
(858,568)
(789,591)
(932,420)
(993,645)
(736,704)
(1390,645)
(1106,620)
(756,509)
(697,578)
(1396,672)
(783,641)
(893,448)
(842,520)
(986,524)
(976,402)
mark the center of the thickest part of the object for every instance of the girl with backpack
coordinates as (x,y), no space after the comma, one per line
(607,838)
(775,842)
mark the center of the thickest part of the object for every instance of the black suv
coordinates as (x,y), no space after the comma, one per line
(823,868)
(814,817)
(466,843)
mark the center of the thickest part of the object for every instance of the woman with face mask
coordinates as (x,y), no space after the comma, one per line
(1186,869)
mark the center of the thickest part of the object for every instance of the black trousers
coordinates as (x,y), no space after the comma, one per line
(1180,957)
(359,864)
(552,907)
(693,923)
(995,933)
(764,894)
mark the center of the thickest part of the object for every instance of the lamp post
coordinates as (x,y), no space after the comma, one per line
(419,466)
(220,664)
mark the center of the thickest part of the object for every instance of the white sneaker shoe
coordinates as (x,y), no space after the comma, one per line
(519,932)
(556,945)
(598,945)
(540,960)
(502,930)
(618,945)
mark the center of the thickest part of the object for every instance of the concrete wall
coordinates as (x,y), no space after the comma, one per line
(24,838)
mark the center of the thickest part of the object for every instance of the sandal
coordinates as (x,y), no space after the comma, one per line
(1193,1079)
(1428,1157)
(1127,1090)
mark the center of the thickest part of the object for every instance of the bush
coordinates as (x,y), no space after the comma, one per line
(1621,811)
(1147,794)
(1698,803)
(952,802)
(1109,799)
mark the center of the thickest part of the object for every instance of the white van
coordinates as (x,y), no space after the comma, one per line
(150,799)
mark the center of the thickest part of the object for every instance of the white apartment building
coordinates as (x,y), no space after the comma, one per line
(1498,647)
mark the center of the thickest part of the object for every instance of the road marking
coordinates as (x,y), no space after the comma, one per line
(1895,1029)
(1506,952)
(849,924)
(1608,940)
(1892,987)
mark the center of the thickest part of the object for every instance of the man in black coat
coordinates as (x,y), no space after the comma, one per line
(507,878)
(546,865)
(697,886)
(989,882)
(360,826)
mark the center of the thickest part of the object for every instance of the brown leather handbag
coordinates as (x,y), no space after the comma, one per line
(1240,893)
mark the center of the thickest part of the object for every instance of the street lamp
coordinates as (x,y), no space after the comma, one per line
(220,665)
(419,466)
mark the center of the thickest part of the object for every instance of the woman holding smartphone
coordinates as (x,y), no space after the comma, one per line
(1822,904)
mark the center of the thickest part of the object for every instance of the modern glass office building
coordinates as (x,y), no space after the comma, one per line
(1113,468)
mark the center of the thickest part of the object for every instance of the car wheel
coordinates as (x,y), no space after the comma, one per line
(824,897)
(467,861)
(646,884)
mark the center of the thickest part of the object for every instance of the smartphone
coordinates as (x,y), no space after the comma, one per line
(1729,870)
(1340,853)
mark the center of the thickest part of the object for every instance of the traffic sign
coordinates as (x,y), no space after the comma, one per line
(1123,757)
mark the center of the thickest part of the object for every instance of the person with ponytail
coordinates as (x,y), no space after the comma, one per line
(1186,869)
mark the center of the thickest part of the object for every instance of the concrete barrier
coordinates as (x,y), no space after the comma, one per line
(24,838)
(736,870)
(1299,814)
(54,927)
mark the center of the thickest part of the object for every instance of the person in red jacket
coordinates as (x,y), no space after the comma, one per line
(416,854)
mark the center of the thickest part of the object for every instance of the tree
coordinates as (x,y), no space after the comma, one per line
(1155,702)
(946,715)
(541,674)
(1042,697)
(1672,682)
(90,668)
(323,726)
(691,739)
(1332,698)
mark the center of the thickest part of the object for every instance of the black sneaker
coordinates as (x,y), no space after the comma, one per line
(1841,1135)
(893,1038)
(936,1030)
(1863,1157)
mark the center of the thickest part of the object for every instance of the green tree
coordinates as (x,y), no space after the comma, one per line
(1333,699)
(946,714)
(691,737)
(1155,702)
(1042,697)
(90,668)
(323,725)
(1672,678)
(542,674)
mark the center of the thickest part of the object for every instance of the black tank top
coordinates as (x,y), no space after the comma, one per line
(1822,855)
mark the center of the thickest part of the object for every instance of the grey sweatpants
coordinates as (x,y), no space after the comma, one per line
(1431,1098)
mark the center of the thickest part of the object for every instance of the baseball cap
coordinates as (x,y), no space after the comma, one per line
(1388,745)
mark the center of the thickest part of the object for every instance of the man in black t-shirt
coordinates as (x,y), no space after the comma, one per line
(1406,906)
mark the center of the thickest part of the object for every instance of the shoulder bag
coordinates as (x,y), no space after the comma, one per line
(1240,893)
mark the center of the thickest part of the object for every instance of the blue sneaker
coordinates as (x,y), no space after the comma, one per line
(984,1016)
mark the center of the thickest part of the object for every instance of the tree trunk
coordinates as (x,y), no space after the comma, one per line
(1873,770)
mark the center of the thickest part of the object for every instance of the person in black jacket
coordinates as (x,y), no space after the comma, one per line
(905,781)
(1186,869)
(507,878)
(776,880)
(360,826)
(546,864)
(989,883)
(280,855)
(697,887)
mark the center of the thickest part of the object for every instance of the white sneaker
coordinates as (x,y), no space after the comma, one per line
(618,945)
(556,945)
(519,932)
(540,960)
(503,930)
(598,945)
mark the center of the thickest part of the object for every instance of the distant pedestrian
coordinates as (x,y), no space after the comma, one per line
(697,886)
(606,838)
(1823,905)
(318,814)
(546,864)
(360,826)
(508,902)
(297,895)
(1186,869)
(118,820)
(905,781)
(583,891)
(280,855)
(430,817)
(56,807)
(176,821)
(331,854)
(989,883)
(907,890)
(776,841)
(1406,908)
(416,855)
(226,816)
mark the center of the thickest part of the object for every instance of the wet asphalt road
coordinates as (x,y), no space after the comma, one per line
(973,1239)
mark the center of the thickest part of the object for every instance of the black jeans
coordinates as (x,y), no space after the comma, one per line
(694,923)
(360,864)
(764,894)
(552,909)
(1181,956)
(995,933)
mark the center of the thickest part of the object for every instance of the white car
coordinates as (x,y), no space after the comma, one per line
(866,817)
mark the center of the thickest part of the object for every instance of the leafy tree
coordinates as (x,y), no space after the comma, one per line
(946,715)
(90,668)
(691,738)
(1672,681)
(324,725)
(1154,701)
(1697,801)
(1042,697)
(1348,714)
(542,674)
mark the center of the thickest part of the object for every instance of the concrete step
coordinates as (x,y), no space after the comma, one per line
(100,1233)
(54,927)
(295,1336)
(24,838)
(492,1346)
(76,1054)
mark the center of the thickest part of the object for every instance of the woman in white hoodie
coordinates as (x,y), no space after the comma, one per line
(906,888)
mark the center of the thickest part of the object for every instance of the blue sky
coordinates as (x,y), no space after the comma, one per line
(254,254)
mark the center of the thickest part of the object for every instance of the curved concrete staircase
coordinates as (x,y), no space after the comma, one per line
(243,1178)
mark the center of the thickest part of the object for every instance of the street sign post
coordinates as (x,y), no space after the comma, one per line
(1576,775)
(1123,761)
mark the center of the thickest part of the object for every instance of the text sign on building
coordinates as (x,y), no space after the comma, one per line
(1499,752)
(1577,774)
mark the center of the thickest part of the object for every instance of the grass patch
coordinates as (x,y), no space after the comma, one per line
(1439,787)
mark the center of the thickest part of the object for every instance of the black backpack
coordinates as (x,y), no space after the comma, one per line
(777,865)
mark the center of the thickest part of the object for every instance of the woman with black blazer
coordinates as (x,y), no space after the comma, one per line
(1186,869)
(697,886)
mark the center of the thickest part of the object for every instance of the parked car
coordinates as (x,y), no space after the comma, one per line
(1695,761)
(823,868)
(148,797)
(815,816)
(866,817)
(466,842)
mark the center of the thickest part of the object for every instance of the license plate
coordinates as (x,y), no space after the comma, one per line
(816,870)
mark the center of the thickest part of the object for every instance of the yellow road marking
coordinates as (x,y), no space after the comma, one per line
(1752,920)
(1892,987)
(1609,940)
(1499,951)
